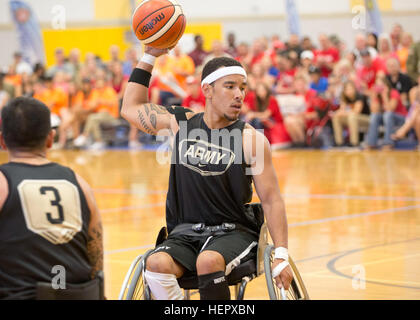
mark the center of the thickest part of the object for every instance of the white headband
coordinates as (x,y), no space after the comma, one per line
(223,72)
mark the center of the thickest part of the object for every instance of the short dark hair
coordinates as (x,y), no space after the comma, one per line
(25,124)
(217,63)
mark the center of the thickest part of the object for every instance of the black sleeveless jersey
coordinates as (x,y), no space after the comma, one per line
(43,224)
(208,181)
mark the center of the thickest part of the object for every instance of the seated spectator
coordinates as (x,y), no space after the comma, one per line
(217,51)
(361,46)
(195,99)
(74,61)
(60,65)
(372,41)
(353,114)
(262,111)
(106,111)
(318,82)
(170,76)
(231,45)
(413,117)
(83,102)
(293,44)
(396,36)
(198,55)
(404,50)
(54,97)
(306,61)
(260,73)
(398,80)
(22,67)
(327,56)
(244,55)
(130,61)
(343,72)
(13,81)
(306,44)
(4,95)
(287,72)
(368,72)
(297,109)
(387,109)
(385,50)
(413,61)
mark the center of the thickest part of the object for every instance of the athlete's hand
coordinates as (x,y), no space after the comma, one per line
(285,277)
(157,52)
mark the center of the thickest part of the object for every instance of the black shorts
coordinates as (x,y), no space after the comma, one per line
(236,247)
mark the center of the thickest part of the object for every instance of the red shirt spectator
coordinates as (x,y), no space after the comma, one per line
(366,74)
(325,57)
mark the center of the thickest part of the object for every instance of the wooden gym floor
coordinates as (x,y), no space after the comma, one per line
(351,214)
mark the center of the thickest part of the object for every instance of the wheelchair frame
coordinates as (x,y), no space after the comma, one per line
(134,286)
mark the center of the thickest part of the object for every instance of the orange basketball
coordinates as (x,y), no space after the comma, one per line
(159,23)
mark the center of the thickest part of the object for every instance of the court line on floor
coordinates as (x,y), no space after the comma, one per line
(332,268)
(285,195)
(161,204)
(352,216)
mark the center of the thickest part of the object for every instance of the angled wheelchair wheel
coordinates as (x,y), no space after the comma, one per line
(134,287)
(297,289)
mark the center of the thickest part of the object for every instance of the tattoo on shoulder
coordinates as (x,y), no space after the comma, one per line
(159,109)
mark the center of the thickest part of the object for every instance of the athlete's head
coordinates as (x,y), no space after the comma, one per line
(26,125)
(224,91)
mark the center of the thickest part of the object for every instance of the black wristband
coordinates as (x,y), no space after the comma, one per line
(140,76)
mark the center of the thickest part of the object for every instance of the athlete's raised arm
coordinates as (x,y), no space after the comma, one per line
(136,109)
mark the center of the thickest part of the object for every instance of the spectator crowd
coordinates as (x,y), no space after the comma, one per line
(301,93)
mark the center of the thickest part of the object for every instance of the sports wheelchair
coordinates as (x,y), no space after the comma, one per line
(134,286)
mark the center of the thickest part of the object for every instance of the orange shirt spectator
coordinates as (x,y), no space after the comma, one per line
(107,99)
(54,97)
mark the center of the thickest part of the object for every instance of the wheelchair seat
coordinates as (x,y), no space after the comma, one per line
(247,269)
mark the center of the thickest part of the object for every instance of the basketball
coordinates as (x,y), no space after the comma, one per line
(159,23)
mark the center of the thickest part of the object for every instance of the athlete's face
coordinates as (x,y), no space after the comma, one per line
(227,96)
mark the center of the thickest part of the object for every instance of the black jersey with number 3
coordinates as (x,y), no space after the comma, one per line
(43,229)
(208,180)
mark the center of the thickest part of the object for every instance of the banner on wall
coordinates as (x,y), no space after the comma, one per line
(293,20)
(29,32)
(374,19)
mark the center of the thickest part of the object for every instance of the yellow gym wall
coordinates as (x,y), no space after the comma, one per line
(384,5)
(99,39)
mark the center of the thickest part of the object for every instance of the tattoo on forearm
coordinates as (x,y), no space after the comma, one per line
(144,123)
(147,109)
(153,120)
(95,249)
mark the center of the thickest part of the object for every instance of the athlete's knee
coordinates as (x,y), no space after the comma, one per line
(160,262)
(209,262)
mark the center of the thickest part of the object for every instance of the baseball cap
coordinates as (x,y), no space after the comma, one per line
(307,55)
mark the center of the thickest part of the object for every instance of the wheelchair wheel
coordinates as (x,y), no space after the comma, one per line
(297,290)
(134,287)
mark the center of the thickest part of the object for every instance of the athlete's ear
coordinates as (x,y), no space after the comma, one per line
(50,138)
(2,143)
(207,90)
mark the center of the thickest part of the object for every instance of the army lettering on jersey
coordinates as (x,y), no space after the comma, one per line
(204,157)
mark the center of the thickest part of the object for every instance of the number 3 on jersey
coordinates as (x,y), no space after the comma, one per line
(51,209)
